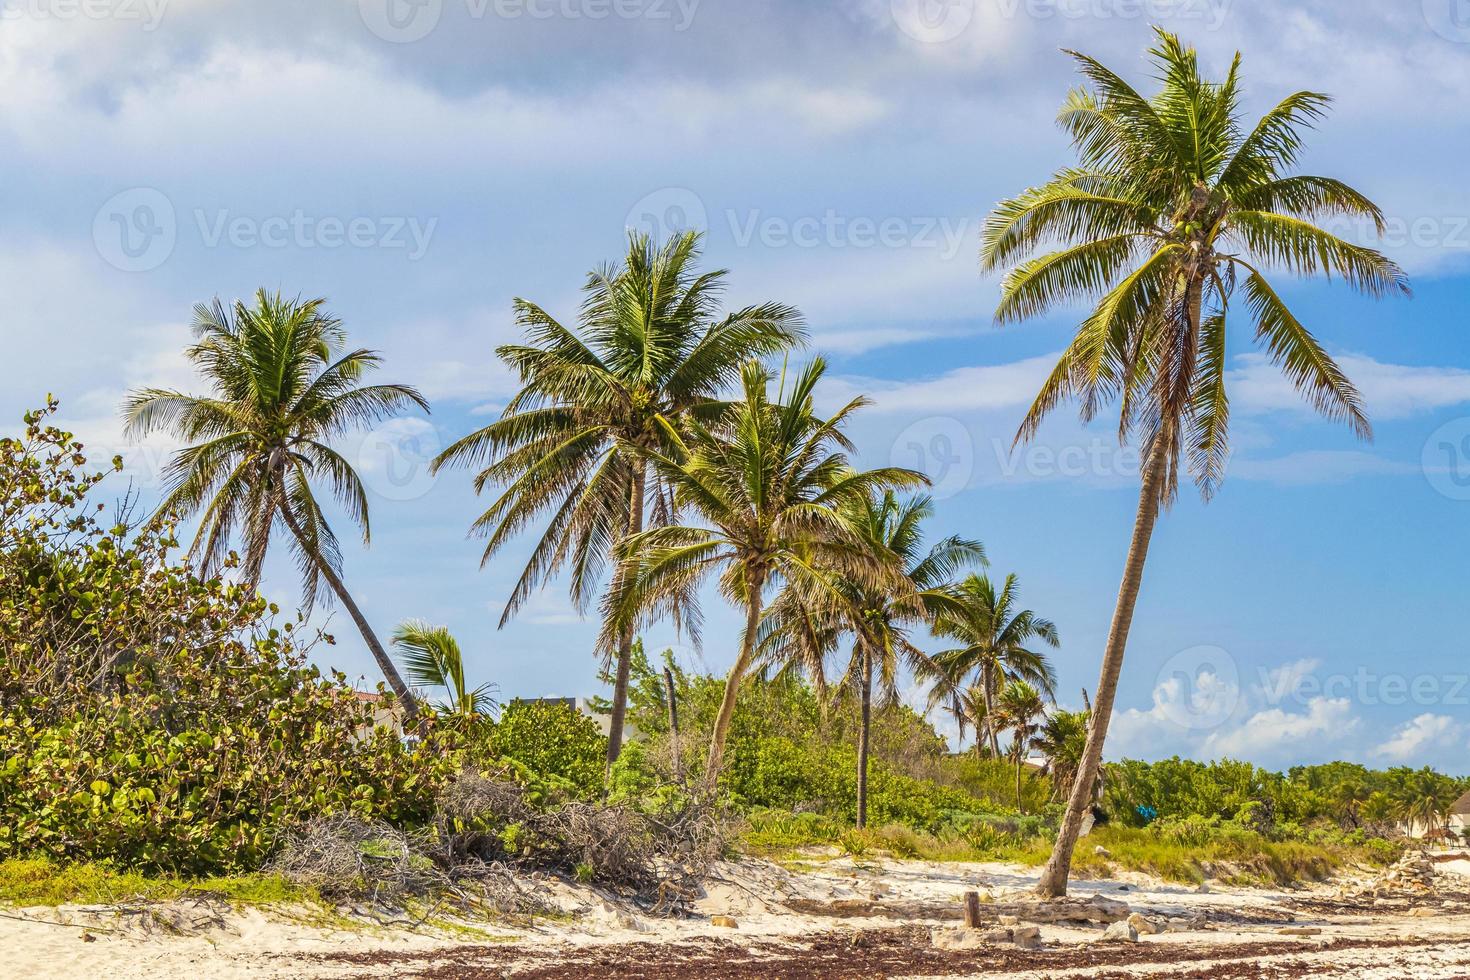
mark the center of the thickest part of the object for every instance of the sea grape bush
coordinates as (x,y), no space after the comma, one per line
(155,718)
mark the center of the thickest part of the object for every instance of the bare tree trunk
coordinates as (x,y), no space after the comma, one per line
(385,663)
(863,735)
(625,641)
(1053,883)
(754,585)
(674,726)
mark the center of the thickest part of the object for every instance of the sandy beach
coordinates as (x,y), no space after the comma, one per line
(832,918)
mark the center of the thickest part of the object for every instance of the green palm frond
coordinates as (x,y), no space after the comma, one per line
(1170,193)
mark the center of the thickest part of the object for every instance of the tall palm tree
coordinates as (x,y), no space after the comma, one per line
(1017,708)
(803,627)
(769,478)
(997,646)
(432,658)
(649,349)
(1174,209)
(281,389)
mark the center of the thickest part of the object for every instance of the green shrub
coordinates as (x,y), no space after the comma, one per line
(155,719)
(553,744)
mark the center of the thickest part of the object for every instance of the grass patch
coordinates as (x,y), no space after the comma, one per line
(1186,851)
(38,882)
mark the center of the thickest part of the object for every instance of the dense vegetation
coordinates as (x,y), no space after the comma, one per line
(168,723)
(157,712)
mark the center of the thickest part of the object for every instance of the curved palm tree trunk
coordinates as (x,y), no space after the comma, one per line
(385,663)
(1053,883)
(625,641)
(732,683)
(863,736)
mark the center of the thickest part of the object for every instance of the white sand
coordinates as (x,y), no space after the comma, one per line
(190,942)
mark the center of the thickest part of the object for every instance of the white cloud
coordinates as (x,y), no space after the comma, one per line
(1210,717)
(1273,733)
(997,386)
(1390,391)
(1427,731)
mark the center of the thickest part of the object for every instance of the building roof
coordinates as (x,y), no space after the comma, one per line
(1462,805)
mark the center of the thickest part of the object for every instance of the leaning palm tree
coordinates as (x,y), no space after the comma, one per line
(1175,209)
(281,390)
(803,626)
(650,348)
(1017,708)
(432,658)
(769,478)
(998,643)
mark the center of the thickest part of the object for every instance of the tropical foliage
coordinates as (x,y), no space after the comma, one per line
(1168,224)
(770,477)
(651,348)
(432,658)
(998,647)
(151,717)
(803,627)
(281,389)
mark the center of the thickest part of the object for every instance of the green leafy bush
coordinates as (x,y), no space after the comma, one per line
(552,744)
(155,719)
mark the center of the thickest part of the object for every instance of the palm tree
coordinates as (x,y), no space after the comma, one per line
(432,658)
(1017,707)
(804,626)
(997,648)
(769,478)
(281,390)
(650,348)
(1175,206)
(1062,739)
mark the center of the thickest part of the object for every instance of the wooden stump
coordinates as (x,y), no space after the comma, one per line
(972,910)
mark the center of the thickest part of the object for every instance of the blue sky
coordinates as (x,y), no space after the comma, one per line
(421,163)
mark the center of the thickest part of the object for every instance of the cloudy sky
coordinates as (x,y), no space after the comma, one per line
(422,162)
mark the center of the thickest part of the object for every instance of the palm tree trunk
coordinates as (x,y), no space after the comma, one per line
(986,688)
(754,584)
(385,663)
(1053,883)
(1019,762)
(625,641)
(863,736)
